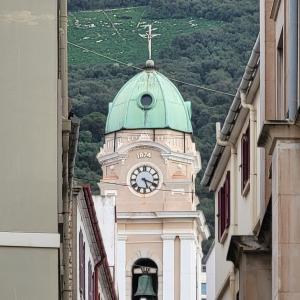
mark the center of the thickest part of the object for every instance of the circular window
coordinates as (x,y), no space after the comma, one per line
(146,101)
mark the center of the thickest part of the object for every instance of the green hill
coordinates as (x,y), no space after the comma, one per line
(206,44)
(116,33)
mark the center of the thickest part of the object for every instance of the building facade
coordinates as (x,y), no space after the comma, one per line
(92,276)
(31,130)
(254,168)
(149,162)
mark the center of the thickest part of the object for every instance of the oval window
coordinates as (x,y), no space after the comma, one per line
(146,100)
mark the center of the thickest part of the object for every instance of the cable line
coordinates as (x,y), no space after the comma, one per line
(141,69)
(128,185)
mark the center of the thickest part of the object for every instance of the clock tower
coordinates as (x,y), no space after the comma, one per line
(149,162)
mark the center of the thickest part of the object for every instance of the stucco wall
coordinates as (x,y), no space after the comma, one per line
(28,115)
(28,155)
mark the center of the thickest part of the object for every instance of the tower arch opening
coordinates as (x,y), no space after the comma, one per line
(144,279)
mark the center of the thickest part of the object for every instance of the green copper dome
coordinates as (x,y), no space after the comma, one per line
(149,100)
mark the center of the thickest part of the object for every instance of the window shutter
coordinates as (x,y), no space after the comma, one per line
(248,153)
(90,296)
(80,246)
(227,200)
(219,215)
(93,286)
(245,157)
(83,271)
(223,210)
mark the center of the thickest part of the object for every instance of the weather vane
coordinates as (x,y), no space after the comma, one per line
(149,36)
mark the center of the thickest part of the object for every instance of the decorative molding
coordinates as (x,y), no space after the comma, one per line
(144,253)
(29,239)
(168,237)
(188,236)
(122,237)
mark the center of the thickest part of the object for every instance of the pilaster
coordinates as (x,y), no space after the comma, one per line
(187,267)
(121,266)
(168,266)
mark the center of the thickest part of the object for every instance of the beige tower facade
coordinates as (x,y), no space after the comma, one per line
(152,172)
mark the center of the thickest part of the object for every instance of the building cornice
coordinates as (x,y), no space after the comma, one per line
(244,244)
(122,153)
(198,216)
(272,131)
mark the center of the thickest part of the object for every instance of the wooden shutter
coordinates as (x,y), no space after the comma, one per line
(93,286)
(81,270)
(219,215)
(245,157)
(223,210)
(227,200)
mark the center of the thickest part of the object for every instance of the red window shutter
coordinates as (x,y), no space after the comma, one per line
(219,215)
(227,200)
(223,210)
(80,247)
(245,158)
(96,279)
(83,272)
(248,153)
(93,286)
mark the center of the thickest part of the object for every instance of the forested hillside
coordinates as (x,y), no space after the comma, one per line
(201,42)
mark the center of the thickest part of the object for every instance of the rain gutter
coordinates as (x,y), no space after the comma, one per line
(233,113)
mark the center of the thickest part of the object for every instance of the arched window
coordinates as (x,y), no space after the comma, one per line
(144,280)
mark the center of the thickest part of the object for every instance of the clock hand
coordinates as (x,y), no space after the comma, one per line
(145,180)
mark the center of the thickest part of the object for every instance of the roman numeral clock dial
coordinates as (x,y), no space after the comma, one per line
(144,179)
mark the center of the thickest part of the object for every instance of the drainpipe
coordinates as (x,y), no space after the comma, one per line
(253,158)
(292,59)
(63,76)
(233,179)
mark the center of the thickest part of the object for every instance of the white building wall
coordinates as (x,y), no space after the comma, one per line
(210,275)
(105,210)
(88,254)
(247,208)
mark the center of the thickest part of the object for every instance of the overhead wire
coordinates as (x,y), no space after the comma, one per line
(129,65)
(128,185)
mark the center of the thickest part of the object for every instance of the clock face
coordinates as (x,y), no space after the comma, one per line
(144,179)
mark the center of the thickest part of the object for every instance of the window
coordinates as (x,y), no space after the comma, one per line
(224,207)
(203,268)
(281,105)
(203,288)
(81,265)
(245,157)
